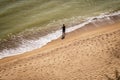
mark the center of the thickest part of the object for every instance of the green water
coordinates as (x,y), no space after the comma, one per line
(18,15)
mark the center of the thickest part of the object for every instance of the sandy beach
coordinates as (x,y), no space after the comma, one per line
(85,54)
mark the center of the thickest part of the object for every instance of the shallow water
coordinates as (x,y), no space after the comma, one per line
(27,25)
(18,15)
(28,45)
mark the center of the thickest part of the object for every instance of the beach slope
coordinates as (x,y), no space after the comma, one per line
(82,55)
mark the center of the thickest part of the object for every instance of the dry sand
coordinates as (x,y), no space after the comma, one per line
(87,55)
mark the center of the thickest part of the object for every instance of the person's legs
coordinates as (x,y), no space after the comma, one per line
(63,35)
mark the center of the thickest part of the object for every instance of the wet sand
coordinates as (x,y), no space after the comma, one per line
(83,55)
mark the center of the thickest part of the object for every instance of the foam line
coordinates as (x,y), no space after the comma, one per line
(29,45)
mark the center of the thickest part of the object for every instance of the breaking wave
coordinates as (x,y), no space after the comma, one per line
(29,45)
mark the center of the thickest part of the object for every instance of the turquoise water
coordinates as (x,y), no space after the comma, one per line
(19,15)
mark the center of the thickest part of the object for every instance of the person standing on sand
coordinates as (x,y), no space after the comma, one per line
(63,31)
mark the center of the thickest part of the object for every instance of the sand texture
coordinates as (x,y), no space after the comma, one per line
(86,56)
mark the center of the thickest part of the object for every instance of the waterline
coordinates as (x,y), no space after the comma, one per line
(29,45)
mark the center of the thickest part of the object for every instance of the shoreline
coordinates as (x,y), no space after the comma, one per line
(29,45)
(92,30)
(83,54)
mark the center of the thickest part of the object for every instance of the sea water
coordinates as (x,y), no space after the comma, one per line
(27,25)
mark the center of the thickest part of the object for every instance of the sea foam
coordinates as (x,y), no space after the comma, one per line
(29,45)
